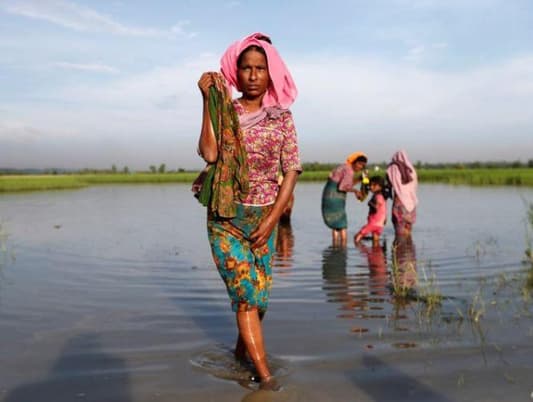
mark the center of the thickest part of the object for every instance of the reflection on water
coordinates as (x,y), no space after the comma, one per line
(377,267)
(404,275)
(375,302)
(365,296)
(284,245)
(358,296)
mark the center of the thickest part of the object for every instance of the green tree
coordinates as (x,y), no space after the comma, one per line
(126,170)
(152,168)
(162,168)
(114,168)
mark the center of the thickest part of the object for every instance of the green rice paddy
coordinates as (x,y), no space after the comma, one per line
(473,177)
(10,183)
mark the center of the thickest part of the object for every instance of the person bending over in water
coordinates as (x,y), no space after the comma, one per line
(341,180)
(247,200)
(377,212)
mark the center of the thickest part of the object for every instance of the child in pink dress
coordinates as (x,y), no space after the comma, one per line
(377,213)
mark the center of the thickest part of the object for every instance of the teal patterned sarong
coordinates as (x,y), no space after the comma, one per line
(246,271)
(334,206)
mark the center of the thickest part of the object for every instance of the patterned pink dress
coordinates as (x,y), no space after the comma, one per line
(270,145)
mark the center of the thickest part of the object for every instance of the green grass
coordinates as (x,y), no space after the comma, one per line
(74,181)
(473,177)
(184,177)
(36,183)
(478,177)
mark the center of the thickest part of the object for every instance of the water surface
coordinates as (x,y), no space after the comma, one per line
(109,294)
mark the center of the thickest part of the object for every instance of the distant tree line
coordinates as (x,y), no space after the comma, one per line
(320,166)
(307,166)
(162,168)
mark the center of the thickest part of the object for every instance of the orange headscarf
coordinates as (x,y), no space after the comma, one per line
(353,157)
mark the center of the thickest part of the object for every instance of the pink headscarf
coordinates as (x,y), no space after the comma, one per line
(404,187)
(282,91)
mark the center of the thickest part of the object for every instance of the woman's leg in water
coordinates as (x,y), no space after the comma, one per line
(334,237)
(251,334)
(240,347)
(343,237)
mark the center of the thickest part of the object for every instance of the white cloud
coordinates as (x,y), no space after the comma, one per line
(92,67)
(19,131)
(415,54)
(373,105)
(142,116)
(179,30)
(449,4)
(80,18)
(146,91)
(440,45)
(344,104)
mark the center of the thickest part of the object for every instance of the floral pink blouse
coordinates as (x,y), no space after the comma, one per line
(343,175)
(270,145)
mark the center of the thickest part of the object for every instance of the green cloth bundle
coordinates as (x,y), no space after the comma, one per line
(226,180)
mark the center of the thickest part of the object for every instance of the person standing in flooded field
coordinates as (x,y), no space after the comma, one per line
(242,239)
(377,212)
(402,177)
(341,181)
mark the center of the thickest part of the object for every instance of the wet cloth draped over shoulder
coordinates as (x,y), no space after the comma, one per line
(230,172)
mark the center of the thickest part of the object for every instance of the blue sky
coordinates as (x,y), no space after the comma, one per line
(96,83)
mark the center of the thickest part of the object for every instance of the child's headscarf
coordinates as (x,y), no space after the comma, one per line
(282,91)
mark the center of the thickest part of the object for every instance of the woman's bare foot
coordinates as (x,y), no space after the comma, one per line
(269,384)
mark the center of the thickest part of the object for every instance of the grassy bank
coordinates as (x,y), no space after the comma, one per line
(472,177)
(73,181)
(479,177)
(475,177)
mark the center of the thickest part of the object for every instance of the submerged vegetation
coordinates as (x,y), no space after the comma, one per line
(3,245)
(529,239)
(528,286)
(415,283)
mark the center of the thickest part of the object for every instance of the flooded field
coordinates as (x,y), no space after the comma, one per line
(110,294)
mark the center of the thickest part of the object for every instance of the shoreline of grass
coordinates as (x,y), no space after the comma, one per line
(21,183)
(472,177)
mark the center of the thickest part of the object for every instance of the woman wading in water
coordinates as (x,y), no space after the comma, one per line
(341,181)
(256,136)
